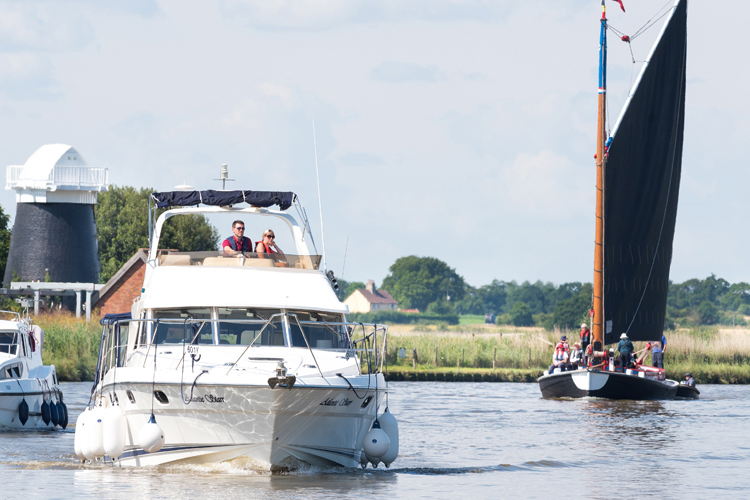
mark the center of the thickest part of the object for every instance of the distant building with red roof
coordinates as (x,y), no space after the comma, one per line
(370,299)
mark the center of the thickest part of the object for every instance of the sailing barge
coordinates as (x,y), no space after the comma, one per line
(638,167)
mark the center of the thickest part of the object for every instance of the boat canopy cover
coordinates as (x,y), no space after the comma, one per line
(109,319)
(641,186)
(283,199)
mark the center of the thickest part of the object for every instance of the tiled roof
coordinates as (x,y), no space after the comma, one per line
(378,297)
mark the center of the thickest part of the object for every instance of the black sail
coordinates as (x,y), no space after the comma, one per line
(641,187)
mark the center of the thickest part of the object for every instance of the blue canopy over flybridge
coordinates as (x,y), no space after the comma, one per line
(284,199)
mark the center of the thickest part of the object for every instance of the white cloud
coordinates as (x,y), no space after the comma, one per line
(50,26)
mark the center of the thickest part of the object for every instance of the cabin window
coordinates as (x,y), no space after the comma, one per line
(177,326)
(123,344)
(8,343)
(243,326)
(321,335)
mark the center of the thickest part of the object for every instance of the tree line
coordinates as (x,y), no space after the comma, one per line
(430,285)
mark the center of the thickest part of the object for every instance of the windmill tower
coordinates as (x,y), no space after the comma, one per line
(54,230)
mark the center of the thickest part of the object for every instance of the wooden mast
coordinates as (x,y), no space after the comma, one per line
(601,138)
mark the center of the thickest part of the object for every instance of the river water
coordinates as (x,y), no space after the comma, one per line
(480,440)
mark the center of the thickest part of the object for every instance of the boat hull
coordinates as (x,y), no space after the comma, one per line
(603,384)
(34,392)
(271,429)
(687,392)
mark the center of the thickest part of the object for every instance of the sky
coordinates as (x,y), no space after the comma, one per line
(456,129)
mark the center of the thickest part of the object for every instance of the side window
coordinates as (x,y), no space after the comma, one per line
(318,330)
(177,326)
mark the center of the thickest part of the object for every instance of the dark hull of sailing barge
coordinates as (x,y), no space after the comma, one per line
(604,384)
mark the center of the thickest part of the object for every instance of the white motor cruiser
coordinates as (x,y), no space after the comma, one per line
(30,397)
(246,357)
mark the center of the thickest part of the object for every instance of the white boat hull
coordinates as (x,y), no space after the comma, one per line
(13,391)
(272,428)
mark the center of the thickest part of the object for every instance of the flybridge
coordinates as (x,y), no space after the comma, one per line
(265,199)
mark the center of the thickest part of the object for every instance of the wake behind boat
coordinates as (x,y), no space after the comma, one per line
(637,181)
(30,397)
(245,356)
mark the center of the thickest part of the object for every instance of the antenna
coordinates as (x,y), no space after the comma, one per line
(320,201)
(224,177)
(343,268)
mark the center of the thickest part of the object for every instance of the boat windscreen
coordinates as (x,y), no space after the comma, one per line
(250,326)
(249,259)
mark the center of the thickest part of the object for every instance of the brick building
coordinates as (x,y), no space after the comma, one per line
(118,294)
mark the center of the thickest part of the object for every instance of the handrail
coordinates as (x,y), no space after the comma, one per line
(254,339)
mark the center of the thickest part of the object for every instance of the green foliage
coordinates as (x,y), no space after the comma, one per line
(71,344)
(709,313)
(392,317)
(520,314)
(5,232)
(571,312)
(122,228)
(415,282)
(440,307)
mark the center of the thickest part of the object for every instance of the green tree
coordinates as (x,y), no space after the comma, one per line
(569,313)
(520,314)
(122,228)
(415,282)
(708,313)
(440,307)
(5,232)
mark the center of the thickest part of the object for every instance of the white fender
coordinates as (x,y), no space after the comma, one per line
(151,437)
(96,431)
(376,443)
(80,435)
(114,432)
(390,426)
(85,420)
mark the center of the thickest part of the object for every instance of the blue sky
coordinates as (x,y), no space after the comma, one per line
(462,130)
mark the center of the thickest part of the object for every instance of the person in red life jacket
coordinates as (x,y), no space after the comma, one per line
(236,245)
(561,356)
(585,336)
(267,246)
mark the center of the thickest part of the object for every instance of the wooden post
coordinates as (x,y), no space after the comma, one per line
(414,358)
(494,358)
(436,356)
(463,352)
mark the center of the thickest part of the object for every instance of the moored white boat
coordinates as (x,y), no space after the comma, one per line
(30,397)
(237,358)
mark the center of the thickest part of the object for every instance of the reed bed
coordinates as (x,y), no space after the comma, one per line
(711,354)
(71,344)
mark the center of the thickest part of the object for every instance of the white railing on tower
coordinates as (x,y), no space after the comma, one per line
(60,177)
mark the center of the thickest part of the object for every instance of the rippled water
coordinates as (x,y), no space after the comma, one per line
(469,440)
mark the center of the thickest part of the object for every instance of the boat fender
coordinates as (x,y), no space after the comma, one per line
(151,437)
(53,415)
(363,459)
(96,431)
(114,431)
(62,409)
(46,416)
(389,424)
(85,422)
(376,443)
(23,412)
(78,437)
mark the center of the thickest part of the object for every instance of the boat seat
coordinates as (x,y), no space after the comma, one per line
(221,261)
(259,262)
(174,260)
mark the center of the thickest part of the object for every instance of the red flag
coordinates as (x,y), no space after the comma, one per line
(621,5)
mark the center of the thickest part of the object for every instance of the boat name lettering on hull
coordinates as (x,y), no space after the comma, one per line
(336,402)
(208,398)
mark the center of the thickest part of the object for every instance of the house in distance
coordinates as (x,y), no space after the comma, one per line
(370,299)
